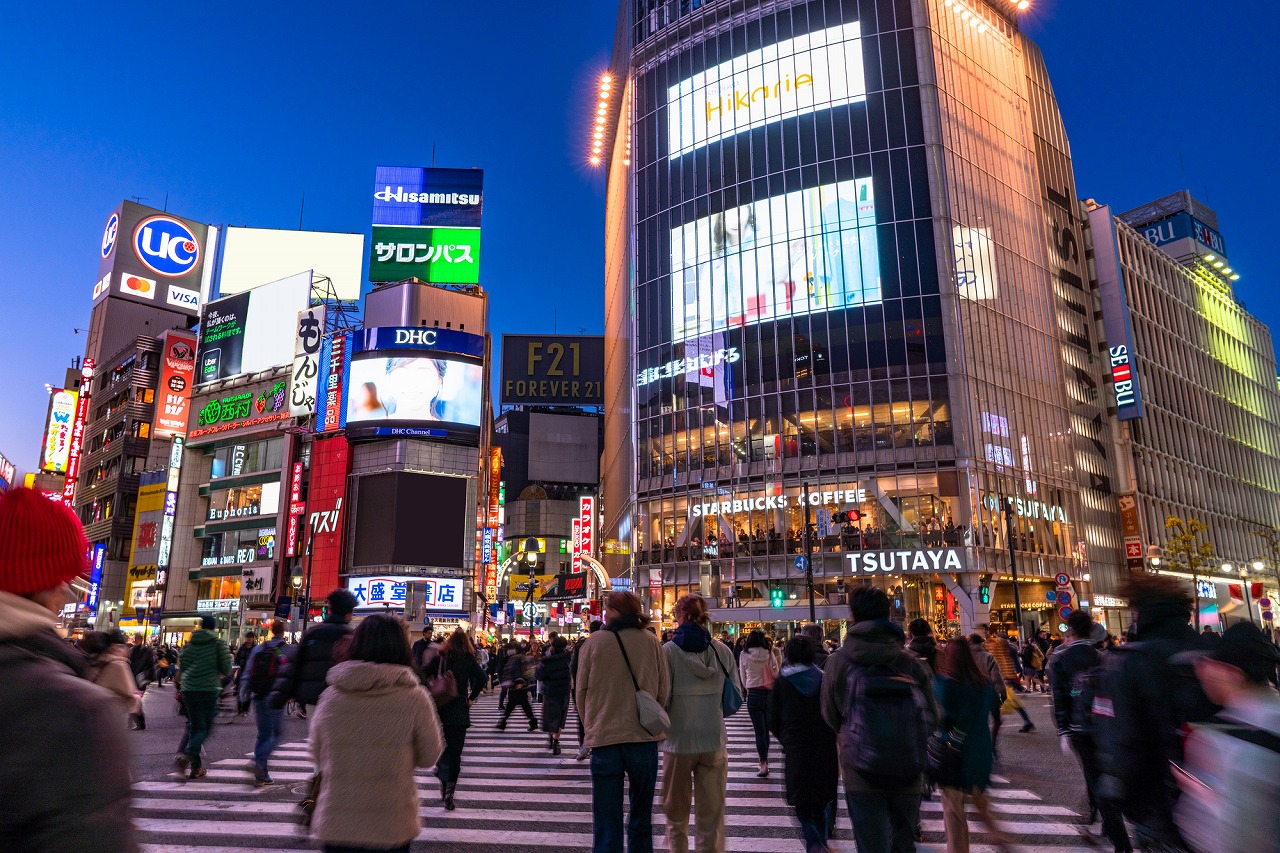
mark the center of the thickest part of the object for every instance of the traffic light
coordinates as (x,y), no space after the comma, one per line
(984,589)
(845,516)
(775,597)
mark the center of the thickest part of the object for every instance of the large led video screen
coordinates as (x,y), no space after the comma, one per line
(414,389)
(811,72)
(804,252)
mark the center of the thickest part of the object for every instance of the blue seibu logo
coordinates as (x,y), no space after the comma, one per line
(109,235)
(166,246)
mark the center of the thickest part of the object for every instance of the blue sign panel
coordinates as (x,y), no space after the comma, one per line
(410,337)
(1180,226)
(1121,358)
(411,195)
(95,579)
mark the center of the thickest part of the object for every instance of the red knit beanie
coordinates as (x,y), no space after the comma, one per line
(42,543)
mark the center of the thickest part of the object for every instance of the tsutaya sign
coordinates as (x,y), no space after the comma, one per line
(817,497)
(1027,508)
(903,562)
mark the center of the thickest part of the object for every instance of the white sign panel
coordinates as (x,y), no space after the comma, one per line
(257,580)
(800,75)
(214,605)
(392,592)
(306,362)
(251,256)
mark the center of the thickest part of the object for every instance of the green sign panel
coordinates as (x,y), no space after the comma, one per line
(437,255)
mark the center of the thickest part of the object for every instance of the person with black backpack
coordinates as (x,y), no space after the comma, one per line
(266,666)
(878,697)
(1074,670)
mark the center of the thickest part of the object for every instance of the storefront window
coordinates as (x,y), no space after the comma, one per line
(238,459)
(238,546)
(244,502)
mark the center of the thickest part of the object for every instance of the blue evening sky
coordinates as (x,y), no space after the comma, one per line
(235,110)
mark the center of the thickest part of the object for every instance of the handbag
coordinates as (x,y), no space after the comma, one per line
(945,761)
(308,803)
(731,698)
(653,717)
(442,686)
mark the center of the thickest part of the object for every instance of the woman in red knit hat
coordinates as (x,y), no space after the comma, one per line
(49,710)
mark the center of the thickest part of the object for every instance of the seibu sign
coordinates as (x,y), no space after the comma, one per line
(911,561)
(839,496)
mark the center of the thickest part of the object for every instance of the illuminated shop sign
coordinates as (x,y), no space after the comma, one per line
(1115,315)
(445,340)
(1027,508)
(817,497)
(57,438)
(692,364)
(170,511)
(907,562)
(1180,226)
(217,605)
(440,593)
(804,252)
(1122,377)
(811,72)
(77,433)
(95,578)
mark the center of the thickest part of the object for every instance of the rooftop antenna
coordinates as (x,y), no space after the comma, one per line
(555,315)
(138,199)
(433,155)
(166,202)
(301,208)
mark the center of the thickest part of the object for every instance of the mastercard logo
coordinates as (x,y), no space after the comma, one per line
(136,285)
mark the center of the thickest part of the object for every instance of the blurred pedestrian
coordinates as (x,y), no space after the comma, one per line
(1146,696)
(517,681)
(615,665)
(64,779)
(316,650)
(425,648)
(813,631)
(592,627)
(922,643)
(267,667)
(204,662)
(1006,656)
(553,674)
(758,668)
(878,697)
(456,659)
(964,700)
(695,756)
(369,733)
(109,668)
(1073,673)
(142,665)
(1000,691)
(1230,779)
(810,769)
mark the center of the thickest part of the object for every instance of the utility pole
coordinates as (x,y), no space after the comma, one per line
(1013,565)
(808,555)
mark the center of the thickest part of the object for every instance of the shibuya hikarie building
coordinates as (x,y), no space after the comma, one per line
(844,255)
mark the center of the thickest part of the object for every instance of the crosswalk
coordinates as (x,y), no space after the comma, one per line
(515,796)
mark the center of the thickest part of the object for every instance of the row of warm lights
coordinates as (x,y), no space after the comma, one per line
(1221,266)
(602,112)
(972,18)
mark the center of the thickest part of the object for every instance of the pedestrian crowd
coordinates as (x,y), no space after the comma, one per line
(1176,734)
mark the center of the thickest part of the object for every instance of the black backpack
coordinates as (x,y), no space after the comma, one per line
(886,724)
(1085,686)
(263,669)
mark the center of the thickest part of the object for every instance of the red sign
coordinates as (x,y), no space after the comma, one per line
(177,373)
(295,485)
(577,544)
(586,517)
(77,433)
(1133,550)
(1062,579)
(330,466)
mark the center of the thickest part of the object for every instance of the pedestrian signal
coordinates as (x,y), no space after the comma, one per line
(984,594)
(775,597)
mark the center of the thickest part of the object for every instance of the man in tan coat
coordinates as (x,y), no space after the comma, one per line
(612,666)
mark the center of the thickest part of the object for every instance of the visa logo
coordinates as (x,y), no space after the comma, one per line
(183,298)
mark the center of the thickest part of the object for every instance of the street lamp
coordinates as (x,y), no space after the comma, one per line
(531,559)
(1244,588)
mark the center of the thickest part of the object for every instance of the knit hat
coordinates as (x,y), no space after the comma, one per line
(42,543)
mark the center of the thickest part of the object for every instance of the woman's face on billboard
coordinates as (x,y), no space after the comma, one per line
(417,384)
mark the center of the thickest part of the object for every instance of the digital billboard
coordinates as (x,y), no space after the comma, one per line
(795,76)
(410,519)
(241,333)
(414,389)
(552,370)
(57,434)
(804,252)
(177,375)
(251,256)
(154,257)
(426,224)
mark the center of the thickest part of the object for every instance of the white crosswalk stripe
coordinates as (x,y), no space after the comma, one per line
(515,795)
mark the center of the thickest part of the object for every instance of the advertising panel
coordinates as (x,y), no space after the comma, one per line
(7,474)
(1180,226)
(241,333)
(393,591)
(444,255)
(976,276)
(177,375)
(587,520)
(410,337)
(1131,529)
(518,586)
(326,523)
(144,550)
(77,432)
(263,405)
(412,195)
(804,252)
(414,389)
(411,519)
(251,256)
(552,370)
(793,77)
(1115,315)
(57,434)
(335,367)
(305,378)
(170,510)
(97,561)
(154,257)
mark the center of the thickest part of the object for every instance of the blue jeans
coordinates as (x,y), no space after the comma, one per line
(269,721)
(639,763)
(202,707)
(814,822)
(884,821)
(758,711)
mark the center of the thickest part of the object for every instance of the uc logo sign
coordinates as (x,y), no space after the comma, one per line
(109,235)
(166,246)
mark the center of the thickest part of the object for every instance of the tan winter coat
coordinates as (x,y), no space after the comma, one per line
(368,733)
(605,694)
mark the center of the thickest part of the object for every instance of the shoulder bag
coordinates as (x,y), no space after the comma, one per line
(730,696)
(945,759)
(653,717)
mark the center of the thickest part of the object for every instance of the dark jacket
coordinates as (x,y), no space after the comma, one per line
(926,649)
(142,662)
(811,768)
(966,709)
(242,660)
(64,780)
(469,678)
(205,660)
(1068,662)
(553,672)
(314,660)
(284,667)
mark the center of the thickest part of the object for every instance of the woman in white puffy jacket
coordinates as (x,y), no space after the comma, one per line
(758,667)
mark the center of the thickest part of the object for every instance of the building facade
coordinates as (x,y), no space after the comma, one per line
(843,245)
(1197,411)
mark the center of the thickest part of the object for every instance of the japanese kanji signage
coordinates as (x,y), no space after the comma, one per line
(335,367)
(441,255)
(393,592)
(261,405)
(586,517)
(305,380)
